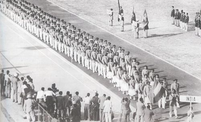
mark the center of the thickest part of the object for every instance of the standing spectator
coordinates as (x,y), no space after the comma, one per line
(87,107)
(95,107)
(24,87)
(173,15)
(173,102)
(148,115)
(140,110)
(75,113)
(107,109)
(2,79)
(67,104)
(19,91)
(14,82)
(54,88)
(41,95)
(101,102)
(50,100)
(190,115)
(125,110)
(7,84)
(29,107)
(30,82)
(77,100)
(175,86)
(60,106)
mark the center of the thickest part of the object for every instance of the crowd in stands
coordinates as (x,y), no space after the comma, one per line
(100,56)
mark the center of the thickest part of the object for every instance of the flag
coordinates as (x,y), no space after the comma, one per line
(158,92)
(119,5)
(145,13)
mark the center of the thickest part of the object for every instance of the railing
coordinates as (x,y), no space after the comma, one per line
(42,115)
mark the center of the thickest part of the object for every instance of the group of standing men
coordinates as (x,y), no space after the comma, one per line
(68,107)
(198,24)
(19,90)
(180,19)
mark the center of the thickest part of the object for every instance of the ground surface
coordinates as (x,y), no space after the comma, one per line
(166,41)
(26,54)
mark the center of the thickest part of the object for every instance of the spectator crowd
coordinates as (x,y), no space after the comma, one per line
(100,56)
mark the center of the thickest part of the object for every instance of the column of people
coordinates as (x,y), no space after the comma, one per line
(180,19)
(96,54)
(198,24)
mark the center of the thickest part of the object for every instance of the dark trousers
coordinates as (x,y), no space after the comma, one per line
(50,104)
(2,89)
(66,112)
(95,114)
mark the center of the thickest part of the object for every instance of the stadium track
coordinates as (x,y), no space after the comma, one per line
(188,83)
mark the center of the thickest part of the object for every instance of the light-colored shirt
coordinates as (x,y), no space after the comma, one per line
(107,106)
(49,93)
(87,100)
(40,95)
(23,87)
(101,101)
(19,85)
(7,77)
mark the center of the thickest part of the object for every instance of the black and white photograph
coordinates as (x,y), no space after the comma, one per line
(100,60)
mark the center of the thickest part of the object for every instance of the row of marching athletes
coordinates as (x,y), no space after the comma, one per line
(98,55)
(95,54)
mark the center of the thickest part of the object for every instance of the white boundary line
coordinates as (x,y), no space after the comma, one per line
(66,61)
(125,40)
